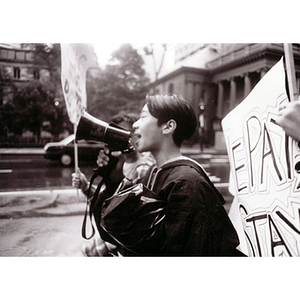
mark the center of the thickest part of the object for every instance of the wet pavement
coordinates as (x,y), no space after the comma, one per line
(41,223)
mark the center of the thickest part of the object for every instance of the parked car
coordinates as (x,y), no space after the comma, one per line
(64,150)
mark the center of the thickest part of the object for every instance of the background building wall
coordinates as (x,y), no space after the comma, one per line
(17,64)
(221,76)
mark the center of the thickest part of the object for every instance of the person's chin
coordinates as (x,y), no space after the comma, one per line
(140,148)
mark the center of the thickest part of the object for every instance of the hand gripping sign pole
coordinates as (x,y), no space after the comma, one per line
(290,68)
(76,59)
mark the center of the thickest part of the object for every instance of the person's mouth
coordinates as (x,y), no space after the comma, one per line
(135,139)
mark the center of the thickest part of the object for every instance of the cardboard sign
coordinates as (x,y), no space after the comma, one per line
(75,60)
(264,163)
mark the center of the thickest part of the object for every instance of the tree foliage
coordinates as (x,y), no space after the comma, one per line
(4,83)
(121,86)
(6,110)
(42,100)
(32,107)
(47,59)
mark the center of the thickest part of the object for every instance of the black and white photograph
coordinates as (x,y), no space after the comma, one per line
(176,153)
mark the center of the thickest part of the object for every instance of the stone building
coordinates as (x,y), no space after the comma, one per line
(16,64)
(217,77)
(16,70)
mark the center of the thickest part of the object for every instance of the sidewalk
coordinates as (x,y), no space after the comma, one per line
(46,203)
(22,151)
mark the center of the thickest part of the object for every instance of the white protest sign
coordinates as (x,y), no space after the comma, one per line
(263,162)
(75,60)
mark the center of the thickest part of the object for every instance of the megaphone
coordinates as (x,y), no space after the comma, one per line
(91,128)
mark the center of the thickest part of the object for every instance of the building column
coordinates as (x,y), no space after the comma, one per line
(220,100)
(263,72)
(232,97)
(298,82)
(197,93)
(190,91)
(247,85)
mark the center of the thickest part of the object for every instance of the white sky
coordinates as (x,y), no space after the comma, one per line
(104,50)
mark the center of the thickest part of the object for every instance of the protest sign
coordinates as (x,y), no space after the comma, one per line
(264,165)
(76,59)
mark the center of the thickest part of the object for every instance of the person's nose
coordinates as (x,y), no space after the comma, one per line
(135,125)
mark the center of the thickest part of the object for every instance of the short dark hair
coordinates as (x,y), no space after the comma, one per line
(129,118)
(170,106)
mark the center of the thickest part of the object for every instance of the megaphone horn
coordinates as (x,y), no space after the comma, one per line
(91,128)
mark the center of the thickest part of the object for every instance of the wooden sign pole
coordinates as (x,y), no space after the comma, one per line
(76,157)
(290,68)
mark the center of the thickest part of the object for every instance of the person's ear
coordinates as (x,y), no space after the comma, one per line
(169,127)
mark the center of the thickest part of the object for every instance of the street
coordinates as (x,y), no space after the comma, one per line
(31,172)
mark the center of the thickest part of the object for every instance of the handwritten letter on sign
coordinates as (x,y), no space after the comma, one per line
(264,163)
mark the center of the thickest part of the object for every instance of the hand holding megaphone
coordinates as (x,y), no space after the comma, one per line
(104,156)
(115,137)
(110,163)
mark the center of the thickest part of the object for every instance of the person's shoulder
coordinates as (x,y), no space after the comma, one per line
(183,163)
(187,171)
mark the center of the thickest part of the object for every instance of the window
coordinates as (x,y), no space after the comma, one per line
(3,53)
(171,88)
(17,73)
(10,54)
(36,74)
(20,55)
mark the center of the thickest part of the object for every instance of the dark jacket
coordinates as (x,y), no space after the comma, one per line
(195,221)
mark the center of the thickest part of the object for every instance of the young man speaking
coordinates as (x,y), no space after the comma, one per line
(194,222)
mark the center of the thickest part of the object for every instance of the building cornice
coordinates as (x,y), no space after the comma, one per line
(247,54)
(239,58)
(15,59)
(181,70)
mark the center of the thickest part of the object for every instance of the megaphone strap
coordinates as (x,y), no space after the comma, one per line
(88,207)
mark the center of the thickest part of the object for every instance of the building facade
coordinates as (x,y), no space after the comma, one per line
(226,78)
(16,66)
(17,69)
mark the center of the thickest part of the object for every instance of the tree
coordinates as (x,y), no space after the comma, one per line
(38,101)
(32,106)
(5,82)
(121,86)
(7,117)
(47,60)
(6,108)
